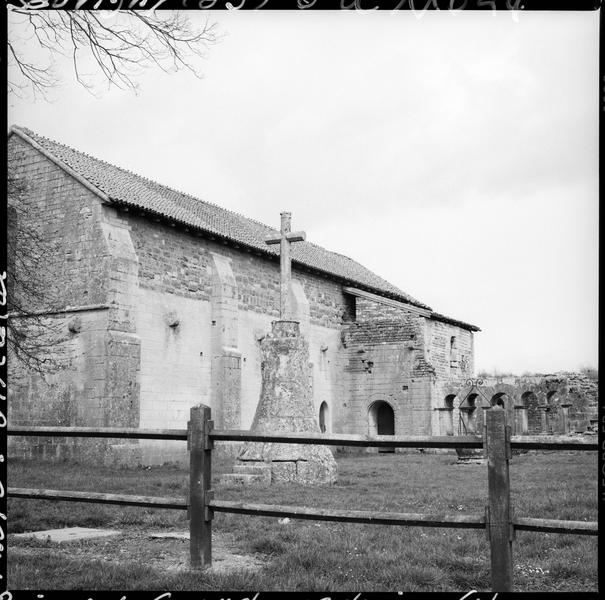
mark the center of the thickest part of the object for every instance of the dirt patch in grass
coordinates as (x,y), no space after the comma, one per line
(161,554)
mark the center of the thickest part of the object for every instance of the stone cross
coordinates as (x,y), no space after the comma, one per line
(286,237)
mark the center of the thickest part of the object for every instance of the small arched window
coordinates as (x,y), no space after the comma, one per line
(449,401)
(324,417)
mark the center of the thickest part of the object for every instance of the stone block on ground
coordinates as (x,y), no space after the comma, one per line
(67,534)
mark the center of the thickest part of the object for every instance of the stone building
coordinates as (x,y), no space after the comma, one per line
(161,301)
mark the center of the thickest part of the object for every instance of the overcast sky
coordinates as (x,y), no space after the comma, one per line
(455,155)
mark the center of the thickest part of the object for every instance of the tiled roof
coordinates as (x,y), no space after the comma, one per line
(124,187)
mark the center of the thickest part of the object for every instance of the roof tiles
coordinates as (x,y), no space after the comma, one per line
(127,188)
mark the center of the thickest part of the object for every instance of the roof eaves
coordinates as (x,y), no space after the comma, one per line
(444,319)
(26,138)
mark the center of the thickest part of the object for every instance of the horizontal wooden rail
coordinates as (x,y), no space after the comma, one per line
(554,526)
(341,439)
(317,514)
(98,498)
(100,432)
(552,442)
(349,516)
(518,442)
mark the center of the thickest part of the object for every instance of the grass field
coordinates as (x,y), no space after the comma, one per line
(309,555)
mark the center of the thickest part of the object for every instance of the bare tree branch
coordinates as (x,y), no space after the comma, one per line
(31,290)
(117,45)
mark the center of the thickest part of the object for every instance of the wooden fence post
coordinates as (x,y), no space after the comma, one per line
(498,512)
(200,479)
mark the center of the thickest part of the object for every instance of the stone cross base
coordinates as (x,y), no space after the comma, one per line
(285,406)
(308,465)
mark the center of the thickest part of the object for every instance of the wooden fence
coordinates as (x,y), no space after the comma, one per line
(498,521)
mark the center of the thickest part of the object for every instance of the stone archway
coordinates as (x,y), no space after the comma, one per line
(381,421)
(499,399)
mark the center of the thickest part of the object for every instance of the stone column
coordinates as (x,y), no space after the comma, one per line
(564,418)
(446,421)
(225,374)
(520,420)
(544,420)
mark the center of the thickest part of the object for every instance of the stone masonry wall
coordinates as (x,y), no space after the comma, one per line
(177,283)
(175,262)
(176,364)
(450,362)
(535,404)
(451,365)
(67,216)
(384,361)
(92,380)
(416,354)
(369,310)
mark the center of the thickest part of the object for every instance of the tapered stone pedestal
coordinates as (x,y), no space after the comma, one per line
(286,406)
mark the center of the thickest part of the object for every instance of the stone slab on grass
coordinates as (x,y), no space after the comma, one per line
(67,534)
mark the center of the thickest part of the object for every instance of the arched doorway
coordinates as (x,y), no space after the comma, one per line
(381,421)
(324,418)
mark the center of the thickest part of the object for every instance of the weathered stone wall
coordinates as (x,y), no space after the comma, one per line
(384,361)
(450,364)
(411,352)
(369,310)
(451,359)
(175,262)
(538,404)
(66,215)
(71,393)
(92,378)
(583,393)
